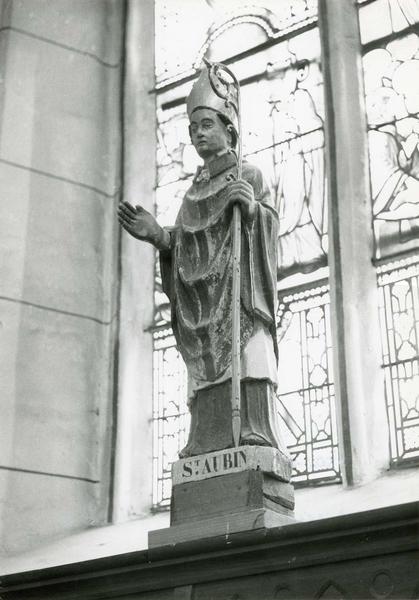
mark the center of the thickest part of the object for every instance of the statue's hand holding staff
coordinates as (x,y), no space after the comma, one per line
(241,192)
(141,224)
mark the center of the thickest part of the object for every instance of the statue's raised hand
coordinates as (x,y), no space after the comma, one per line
(142,225)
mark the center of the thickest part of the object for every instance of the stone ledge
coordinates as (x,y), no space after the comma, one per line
(351,550)
(222,525)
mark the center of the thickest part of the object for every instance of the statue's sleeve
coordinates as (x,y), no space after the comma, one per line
(260,263)
(166,266)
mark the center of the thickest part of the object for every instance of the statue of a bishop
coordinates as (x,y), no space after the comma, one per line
(197,271)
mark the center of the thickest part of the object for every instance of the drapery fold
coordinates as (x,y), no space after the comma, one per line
(197,271)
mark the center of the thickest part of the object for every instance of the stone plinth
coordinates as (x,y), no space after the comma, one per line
(229,494)
(228,491)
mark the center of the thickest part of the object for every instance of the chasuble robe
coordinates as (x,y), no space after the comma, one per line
(197,275)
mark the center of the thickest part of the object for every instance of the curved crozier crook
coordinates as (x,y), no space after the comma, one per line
(223,88)
(215,78)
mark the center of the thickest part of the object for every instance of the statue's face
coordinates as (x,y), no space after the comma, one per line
(208,134)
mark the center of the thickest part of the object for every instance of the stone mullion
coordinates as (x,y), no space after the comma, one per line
(363,430)
(133,471)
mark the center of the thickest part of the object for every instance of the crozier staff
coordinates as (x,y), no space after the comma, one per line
(197,273)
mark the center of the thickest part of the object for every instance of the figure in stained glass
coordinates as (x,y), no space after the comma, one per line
(298,141)
(392,98)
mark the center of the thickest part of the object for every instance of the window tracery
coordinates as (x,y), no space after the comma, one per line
(212,18)
(399,314)
(306,398)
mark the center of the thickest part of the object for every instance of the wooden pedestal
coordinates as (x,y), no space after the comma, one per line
(225,492)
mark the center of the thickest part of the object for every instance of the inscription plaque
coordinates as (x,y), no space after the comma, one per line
(233,460)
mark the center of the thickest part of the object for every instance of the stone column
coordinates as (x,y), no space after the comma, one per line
(133,474)
(59,185)
(356,335)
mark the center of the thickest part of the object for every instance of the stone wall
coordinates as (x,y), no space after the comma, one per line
(60,77)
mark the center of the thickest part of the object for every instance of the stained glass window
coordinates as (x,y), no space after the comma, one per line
(390,38)
(277,59)
(390,34)
(283,116)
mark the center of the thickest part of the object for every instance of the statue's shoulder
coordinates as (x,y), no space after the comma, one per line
(254,176)
(250,170)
